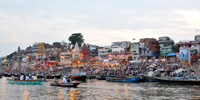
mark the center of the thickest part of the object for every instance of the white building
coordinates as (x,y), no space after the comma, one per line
(117,49)
(103,52)
(123,44)
(139,49)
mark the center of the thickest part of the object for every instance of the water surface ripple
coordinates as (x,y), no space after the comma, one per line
(99,90)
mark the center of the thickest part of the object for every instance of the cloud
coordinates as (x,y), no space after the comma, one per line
(24,22)
(191,17)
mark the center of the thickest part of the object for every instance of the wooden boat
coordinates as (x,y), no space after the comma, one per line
(101,77)
(33,82)
(150,79)
(58,76)
(123,79)
(79,77)
(70,84)
(142,79)
(183,81)
(6,74)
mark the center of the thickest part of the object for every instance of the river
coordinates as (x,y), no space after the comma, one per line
(99,90)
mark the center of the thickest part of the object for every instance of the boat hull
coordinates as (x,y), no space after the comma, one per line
(32,82)
(116,79)
(71,84)
(150,79)
(101,78)
(91,76)
(52,76)
(178,81)
(79,77)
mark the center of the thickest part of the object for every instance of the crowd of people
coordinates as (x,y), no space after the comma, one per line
(132,69)
(24,77)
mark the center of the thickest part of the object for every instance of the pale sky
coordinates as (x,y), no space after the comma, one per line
(24,22)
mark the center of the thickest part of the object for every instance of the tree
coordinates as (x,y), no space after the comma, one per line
(76,37)
(175,48)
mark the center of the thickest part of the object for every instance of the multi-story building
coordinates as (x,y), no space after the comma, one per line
(166,45)
(139,49)
(66,56)
(103,52)
(197,37)
(122,44)
(196,47)
(153,46)
(135,48)
(117,49)
(53,51)
(93,52)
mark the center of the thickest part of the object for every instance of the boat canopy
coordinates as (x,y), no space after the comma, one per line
(180,70)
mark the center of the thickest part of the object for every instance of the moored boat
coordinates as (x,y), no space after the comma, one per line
(91,76)
(142,79)
(70,84)
(101,77)
(150,79)
(183,81)
(79,77)
(58,76)
(32,82)
(123,79)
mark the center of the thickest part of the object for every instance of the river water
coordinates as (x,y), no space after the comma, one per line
(99,90)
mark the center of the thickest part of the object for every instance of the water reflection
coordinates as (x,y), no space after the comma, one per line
(72,94)
(60,94)
(100,90)
(26,95)
(3,87)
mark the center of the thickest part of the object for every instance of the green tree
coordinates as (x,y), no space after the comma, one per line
(175,48)
(76,37)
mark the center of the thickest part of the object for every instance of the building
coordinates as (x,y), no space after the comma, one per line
(135,48)
(103,52)
(52,52)
(66,56)
(93,52)
(166,45)
(84,54)
(197,37)
(138,48)
(153,46)
(76,53)
(117,49)
(122,44)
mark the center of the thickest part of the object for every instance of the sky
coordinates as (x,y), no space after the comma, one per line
(24,22)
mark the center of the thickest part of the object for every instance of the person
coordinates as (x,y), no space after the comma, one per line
(64,79)
(69,79)
(34,77)
(22,77)
(27,77)
(55,80)
(12,76)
